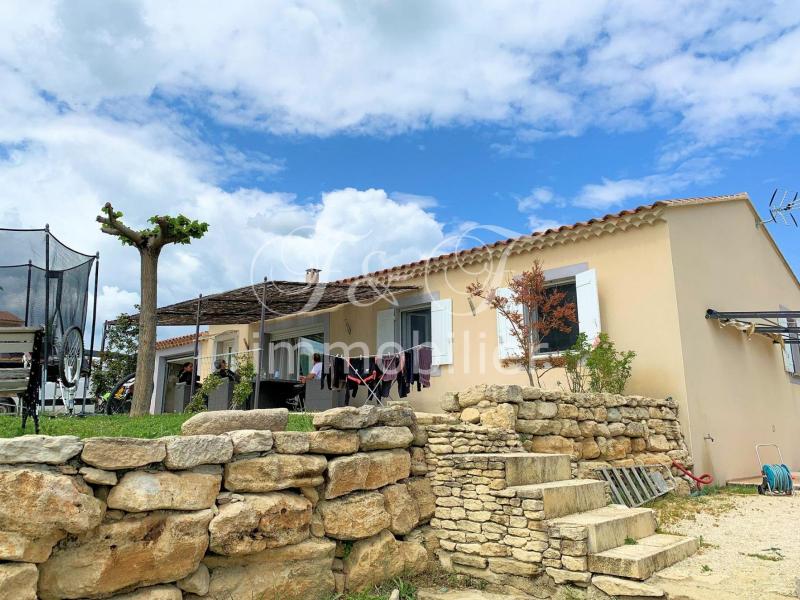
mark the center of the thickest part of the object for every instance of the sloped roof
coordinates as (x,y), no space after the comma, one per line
(8,319)
(580,230)
(178,341)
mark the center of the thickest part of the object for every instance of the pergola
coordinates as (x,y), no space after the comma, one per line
(271,300)
(778,325)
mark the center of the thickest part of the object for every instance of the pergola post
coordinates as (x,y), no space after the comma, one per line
(195,362)
(261,341)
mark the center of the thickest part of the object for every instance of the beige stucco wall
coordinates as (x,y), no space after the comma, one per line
(737,390)
(242,335)
(637,304)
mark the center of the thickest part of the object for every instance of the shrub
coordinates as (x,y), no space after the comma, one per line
(198,403)
(598,366)
(244,387)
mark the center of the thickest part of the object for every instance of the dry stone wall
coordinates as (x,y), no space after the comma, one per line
(236,508)
(487,530)
(596,429)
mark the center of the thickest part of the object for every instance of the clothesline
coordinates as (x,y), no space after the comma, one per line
(376,355)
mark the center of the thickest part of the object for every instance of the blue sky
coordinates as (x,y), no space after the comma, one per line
(355,136)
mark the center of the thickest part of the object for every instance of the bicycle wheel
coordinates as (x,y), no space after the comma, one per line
(70,357)
(119,406)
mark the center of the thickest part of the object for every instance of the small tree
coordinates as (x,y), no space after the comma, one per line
(609,369)
(119,356)
(149,242)
(597,365)
(533,311)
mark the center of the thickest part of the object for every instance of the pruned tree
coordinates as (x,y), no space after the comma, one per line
(533,310)
(149,242)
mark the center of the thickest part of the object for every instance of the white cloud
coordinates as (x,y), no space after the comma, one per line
(99,103)
(720,69)
(613,192)
(540,199)
(536,223)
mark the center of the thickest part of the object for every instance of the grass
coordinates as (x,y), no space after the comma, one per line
(629,541)
(711,499)
(406,587)
(148,426)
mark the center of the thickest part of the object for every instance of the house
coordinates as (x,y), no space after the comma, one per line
(645,276)
(8,319)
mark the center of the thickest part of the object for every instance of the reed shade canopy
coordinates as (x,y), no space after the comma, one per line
(281,298)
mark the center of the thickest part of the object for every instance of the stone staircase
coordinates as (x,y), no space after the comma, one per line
(618,540)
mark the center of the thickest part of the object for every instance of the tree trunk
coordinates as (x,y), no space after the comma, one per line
(145,358)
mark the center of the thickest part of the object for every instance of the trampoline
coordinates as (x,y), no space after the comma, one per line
(44,285)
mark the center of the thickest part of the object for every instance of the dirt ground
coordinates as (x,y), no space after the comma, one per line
(750,550)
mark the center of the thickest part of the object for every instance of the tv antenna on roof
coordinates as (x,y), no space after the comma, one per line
(781,206)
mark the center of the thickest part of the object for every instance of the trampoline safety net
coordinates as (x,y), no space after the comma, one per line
(32,259)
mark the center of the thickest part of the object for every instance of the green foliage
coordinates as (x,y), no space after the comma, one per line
(172,230)
(629,541)
(119,358)
(180,229)
(244,388)
(407,589)
(609,369)
(147,426)
(575,364)
(347,548)
(598,366)
(198,403)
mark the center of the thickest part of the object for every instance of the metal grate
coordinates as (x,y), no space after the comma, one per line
(633,486)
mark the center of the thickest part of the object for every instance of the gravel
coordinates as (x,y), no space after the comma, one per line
(751,551)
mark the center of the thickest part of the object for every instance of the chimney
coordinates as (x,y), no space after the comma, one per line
(312,276)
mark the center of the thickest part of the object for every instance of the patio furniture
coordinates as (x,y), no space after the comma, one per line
(220,397)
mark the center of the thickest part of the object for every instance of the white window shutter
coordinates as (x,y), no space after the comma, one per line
(788,357)
(442,332)
(385,329)
(588,304)
(508,346)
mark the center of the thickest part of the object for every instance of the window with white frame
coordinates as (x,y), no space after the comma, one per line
(580,289)
(430,323)
(415,327)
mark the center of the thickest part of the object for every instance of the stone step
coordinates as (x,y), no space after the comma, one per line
(562,498)
(609,526)
(641,560)
(525,468)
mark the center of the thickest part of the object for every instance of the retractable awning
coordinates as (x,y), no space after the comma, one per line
(781,326)
(281,298)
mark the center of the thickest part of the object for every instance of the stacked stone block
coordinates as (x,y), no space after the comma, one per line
(596,429)
(217,513)
(483,529)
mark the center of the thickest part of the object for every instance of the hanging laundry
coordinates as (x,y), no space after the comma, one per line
(425,362)
(407,374)
(338,372)
(362,371)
